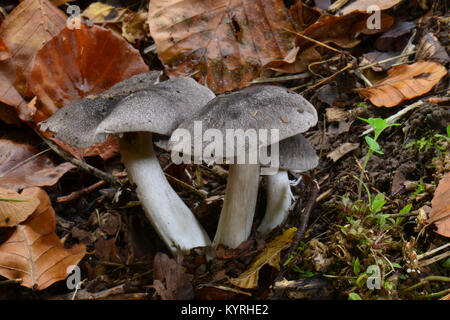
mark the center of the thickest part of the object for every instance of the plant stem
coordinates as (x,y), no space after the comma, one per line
(361,177)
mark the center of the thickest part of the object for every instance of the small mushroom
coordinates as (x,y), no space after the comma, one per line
(260,107)
(295,154)
(133,110)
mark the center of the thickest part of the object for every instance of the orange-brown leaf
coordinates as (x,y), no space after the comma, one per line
(77,63)
(440,211)
(34,252)
(405,82)
(20,168)
(26,29)
(225,43)
(15,207)
(10,99)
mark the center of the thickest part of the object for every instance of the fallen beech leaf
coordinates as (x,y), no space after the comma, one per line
(270,255)
(224,43)
(170,281)
(15,208)
(10,99)
(363,5)
(77,63)
(342,150)
(404,82)
(440,211)
(26,29)
(20,168)
(341,30)
(431,49)
(396,38)
(34,252)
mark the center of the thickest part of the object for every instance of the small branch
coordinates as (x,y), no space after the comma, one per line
(430,253)
(318,84)
(12,281)
(337,5)
(398,115)
(425,280)
(186,186)
(427,262)
(75,195)
(385,60)
(303,75)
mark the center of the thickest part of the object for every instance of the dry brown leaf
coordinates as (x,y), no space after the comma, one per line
(404,82)
(430,48)
(440,212)
(170,281)
(34,252)
(77,63)
(10,99)
(15,208)
(342,150)
(26,29)
(363,5)
(270,255)
(224,44)
(20,168)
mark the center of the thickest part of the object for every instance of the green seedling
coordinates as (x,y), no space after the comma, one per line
(378,125)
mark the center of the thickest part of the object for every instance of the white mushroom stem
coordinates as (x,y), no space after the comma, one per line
(236,217)
(278,201)
(169,215)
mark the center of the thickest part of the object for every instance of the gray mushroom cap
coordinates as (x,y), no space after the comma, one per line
(137,104)
(296,153)
(256,107)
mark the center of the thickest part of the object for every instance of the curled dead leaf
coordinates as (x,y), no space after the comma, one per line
(440,211)
(270,255)
(15,208)
(20,167)
(405,82)
(34,252)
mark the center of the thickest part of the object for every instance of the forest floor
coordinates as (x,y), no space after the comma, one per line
(350,241)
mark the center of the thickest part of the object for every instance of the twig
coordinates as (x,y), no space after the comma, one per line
(109,178)
(385,60)
(427,262)
(425,280)
(337,5)
(183,184)
(318,84)
(303,75)
(430,253)
(398,115)
(12,281)
(315,41)
(76,194)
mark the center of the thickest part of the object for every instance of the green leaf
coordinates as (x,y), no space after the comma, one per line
(396,265)
(373,145)
(377,203)
(354,296)
(448,130)
(406,209)
(446,263)
(356,267)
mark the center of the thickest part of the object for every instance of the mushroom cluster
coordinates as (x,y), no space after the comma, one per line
(135,109)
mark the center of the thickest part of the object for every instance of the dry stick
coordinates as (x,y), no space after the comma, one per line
(337,5)
(183,184)
(429,253)
(76,194)
(425,280)
(427,262)
(12,281)
(313,193)
(398,115)
(298,76)
(109,178)
(384,61)
(318,84)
